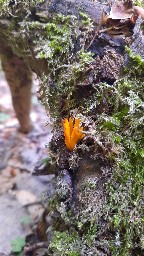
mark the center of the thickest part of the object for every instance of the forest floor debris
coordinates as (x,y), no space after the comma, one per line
(20,192)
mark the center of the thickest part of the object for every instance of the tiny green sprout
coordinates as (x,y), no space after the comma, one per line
(17,244)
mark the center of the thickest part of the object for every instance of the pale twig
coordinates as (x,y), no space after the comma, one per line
(102,21)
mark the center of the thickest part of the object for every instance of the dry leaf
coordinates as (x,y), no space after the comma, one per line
(122,10)
(25,197)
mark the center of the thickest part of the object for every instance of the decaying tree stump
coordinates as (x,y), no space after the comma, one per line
(79,55)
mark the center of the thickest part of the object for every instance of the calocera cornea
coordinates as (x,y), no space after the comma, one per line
(73,132)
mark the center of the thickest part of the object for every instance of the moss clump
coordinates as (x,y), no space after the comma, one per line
(11,8)
(126,185)
(66,61)
(66,244)
(137,64)
(139,3)
(113,209)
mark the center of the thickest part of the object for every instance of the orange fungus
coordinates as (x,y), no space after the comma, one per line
(73,132)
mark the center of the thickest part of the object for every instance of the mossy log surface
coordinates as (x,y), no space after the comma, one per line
(85,72)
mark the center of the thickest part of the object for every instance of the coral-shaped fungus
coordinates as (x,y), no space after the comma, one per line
(72,132)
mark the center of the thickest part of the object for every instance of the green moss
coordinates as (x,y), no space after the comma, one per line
(121,126)
(13,9)
(139,3)
(65,244)
(135,68)
(126,186)
(66,64)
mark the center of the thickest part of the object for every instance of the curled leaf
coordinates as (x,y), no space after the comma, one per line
(122,10)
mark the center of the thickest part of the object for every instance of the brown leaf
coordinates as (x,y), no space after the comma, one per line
(25,197)
(14,172)
(122,10)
